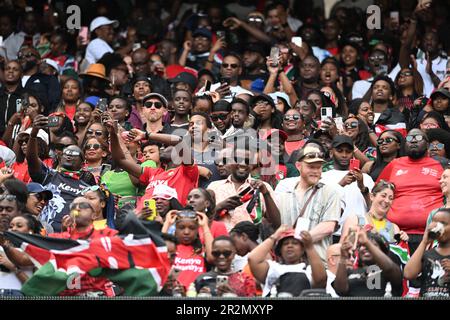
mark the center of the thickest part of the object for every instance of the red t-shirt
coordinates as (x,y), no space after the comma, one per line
(191,264)
(89,233)
(21,169)
(217,228)
(182,178)
(291,146)
(417,191)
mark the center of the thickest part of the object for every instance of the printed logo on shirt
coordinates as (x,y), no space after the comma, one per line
(153,183)
(429,172)
(401,172)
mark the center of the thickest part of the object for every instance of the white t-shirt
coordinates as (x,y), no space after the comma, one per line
(9,280)
(361,87)
(235,90)
(354,200)
(438,65)
(96,49)
(276,270)
(330,278)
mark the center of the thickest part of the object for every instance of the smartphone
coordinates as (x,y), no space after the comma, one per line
(325,113)
(102,104)
(151,204)
(297,41)
(395,16)
(207,86)
(302,224)
(84,35)
(1,41)
(339,123)
(19,105)
(354,164)
(220,34)
(221,280)
(352,236)
(53,121)
(136,46)
(274,55)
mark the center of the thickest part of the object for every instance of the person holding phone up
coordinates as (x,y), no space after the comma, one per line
(221,280)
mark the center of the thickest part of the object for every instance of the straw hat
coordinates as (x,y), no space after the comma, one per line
(96,70)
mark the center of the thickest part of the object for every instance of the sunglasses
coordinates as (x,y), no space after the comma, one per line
(26,55)
(417,137)
(439,146)
(230,65)
(60,146)
(98,133)
(405,74)
(94,146)
(81,205)
(186,215)
(387,183)
(226,254)
(312,155)
(387,141)
(376,58)
(74,153)
(216,117)
(22,141)
(255,19)
(149,104)
(39,196)
(351,125)
(295,117)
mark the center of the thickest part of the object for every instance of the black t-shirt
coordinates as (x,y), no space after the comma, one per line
(207,159)
(434,281)
(361,285)
(64,188)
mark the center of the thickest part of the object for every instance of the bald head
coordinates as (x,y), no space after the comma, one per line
(333,256)
(140,58)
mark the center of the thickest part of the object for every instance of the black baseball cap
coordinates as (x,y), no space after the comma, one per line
(340,140)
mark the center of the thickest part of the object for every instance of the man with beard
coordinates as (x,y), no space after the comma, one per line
(253,60)
(309,77)
(231,206)
(66,183)
(10,93)
(416,179)
(316,206)
(386,116)
(47,87)
(240,111)
(220,115)
(356,185)
(230,71)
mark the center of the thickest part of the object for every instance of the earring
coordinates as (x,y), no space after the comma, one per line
(206,210)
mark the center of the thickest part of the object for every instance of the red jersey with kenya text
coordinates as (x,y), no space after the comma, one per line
(183,178)
(417,191)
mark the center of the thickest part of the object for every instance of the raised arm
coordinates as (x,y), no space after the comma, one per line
(34,163)
(234,23)
(319,274)
(118,155)
(390,269)
(340,284)
(257,257)
(414,266)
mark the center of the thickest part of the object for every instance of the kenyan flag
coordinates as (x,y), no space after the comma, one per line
(138,265)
